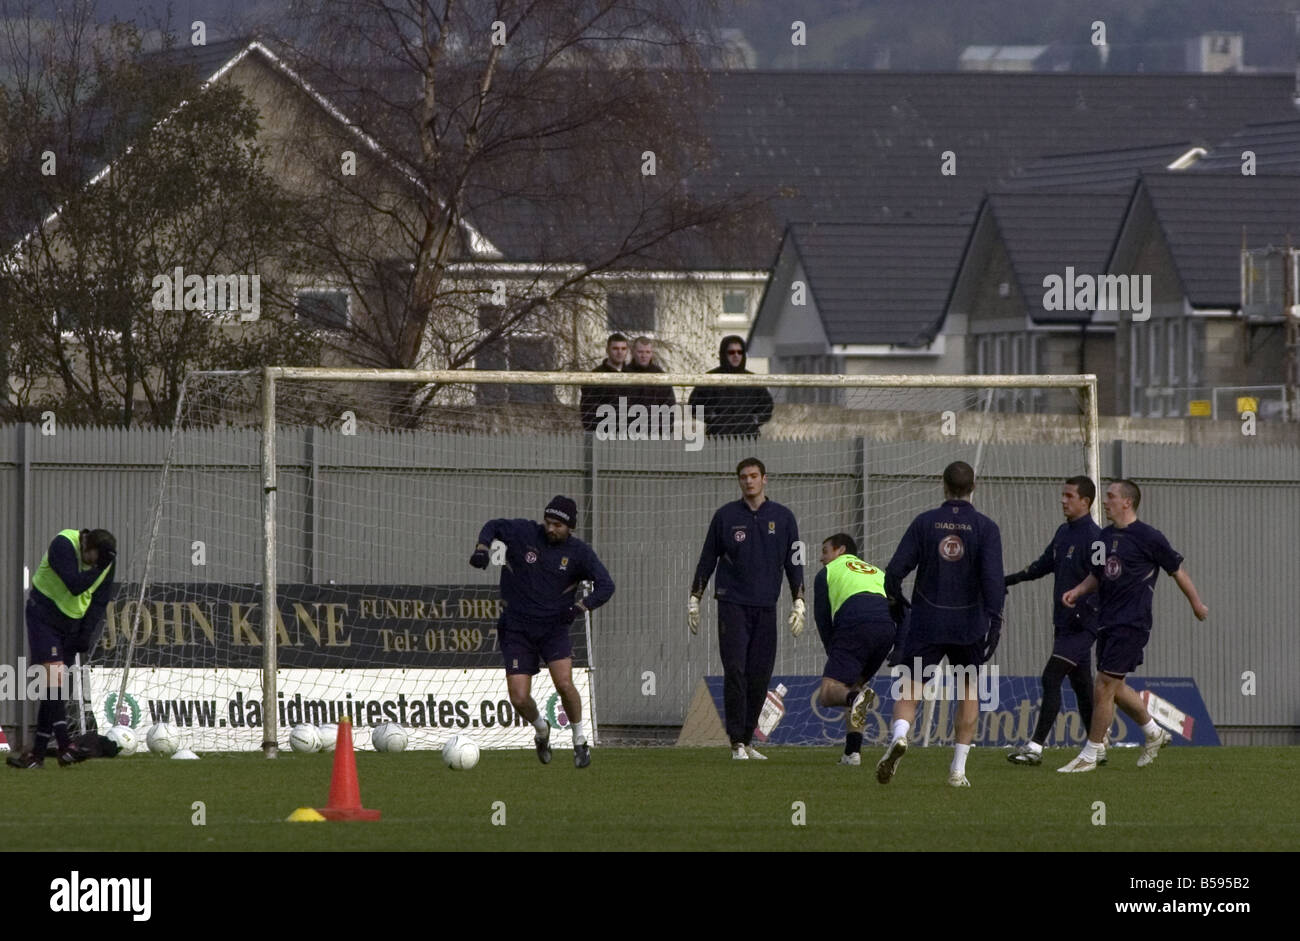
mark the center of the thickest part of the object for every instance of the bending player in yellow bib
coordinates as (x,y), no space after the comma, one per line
(70,592)
(858,627)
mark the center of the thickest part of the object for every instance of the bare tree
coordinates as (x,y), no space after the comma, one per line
(114,183)
(560,136)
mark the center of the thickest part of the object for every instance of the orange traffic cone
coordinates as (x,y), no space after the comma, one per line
(345,792)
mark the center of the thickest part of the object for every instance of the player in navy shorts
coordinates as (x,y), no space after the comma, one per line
(1066,557)
(751,544)
(858,626)
(544,563)
(956,609)
(1126,582)
(70,592)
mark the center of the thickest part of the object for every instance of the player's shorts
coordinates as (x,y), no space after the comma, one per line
(1074,644)
(1119,649)
(959,655)
(524,649)
(44,642)
(858,650)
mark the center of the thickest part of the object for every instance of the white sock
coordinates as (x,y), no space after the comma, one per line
(1151,729)
(900,729)
(540,725)
(1091,750)
(579,736)
(1034,747)
(959,753)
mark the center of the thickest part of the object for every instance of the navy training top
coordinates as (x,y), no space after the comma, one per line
(959,590)
(1069,556)
(538,579)
(750,549)
(1127,580)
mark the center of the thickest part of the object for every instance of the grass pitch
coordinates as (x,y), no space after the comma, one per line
(662,799)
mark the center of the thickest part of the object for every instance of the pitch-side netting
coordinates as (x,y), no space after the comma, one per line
(308,554)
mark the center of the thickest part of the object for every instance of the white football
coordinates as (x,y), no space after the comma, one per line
(163,739)
(460,753)
(304,739)
(389,737)
(329,736)
(124,738)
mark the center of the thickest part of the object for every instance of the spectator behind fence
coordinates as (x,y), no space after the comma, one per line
(733,411)
(593,397)
(643,360)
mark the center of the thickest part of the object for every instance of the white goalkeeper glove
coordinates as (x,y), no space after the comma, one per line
(693,614)
(796,617)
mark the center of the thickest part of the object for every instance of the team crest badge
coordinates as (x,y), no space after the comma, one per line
(771,527)
(951,548)
(530,556)
(739,535)
(564,563)
(1070,553)
(1113,567)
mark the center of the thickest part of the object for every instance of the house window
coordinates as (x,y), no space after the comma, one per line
(327,309)
(1019,364)
(1156,349)
(1137,369)
(735,305)
(982,351)
(1195,352)
(520,351)
(630,313)
(1156,376)
(1175,353)
(1177,401)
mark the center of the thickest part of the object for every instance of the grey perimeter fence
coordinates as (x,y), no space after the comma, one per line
(1231,511)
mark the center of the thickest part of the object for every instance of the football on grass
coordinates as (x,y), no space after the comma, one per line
(163,739)
(460,753)
(329,736)
(304,739)
(389,737)
(124,738)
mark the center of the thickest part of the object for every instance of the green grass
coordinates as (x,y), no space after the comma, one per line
(665,799)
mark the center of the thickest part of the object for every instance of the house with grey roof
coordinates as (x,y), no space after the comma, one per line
(1188,231)
(1018,241)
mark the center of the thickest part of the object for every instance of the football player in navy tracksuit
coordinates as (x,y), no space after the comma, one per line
(750,543)
(1126,582)
(1075,629)
(544,564)
(956,607)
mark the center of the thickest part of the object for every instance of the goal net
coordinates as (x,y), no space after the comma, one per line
(307,557)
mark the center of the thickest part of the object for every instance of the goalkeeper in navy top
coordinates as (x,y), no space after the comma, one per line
(1126,582)
(751,543)
(858,628)
(69,594)
(1075,628)
(956,610)
(542,567)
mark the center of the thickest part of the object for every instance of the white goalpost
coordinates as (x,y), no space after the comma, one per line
(307,556)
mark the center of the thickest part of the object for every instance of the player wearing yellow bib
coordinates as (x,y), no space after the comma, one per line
(854,619)
(69,595)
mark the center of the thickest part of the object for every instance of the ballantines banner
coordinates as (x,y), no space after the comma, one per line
(209,625)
